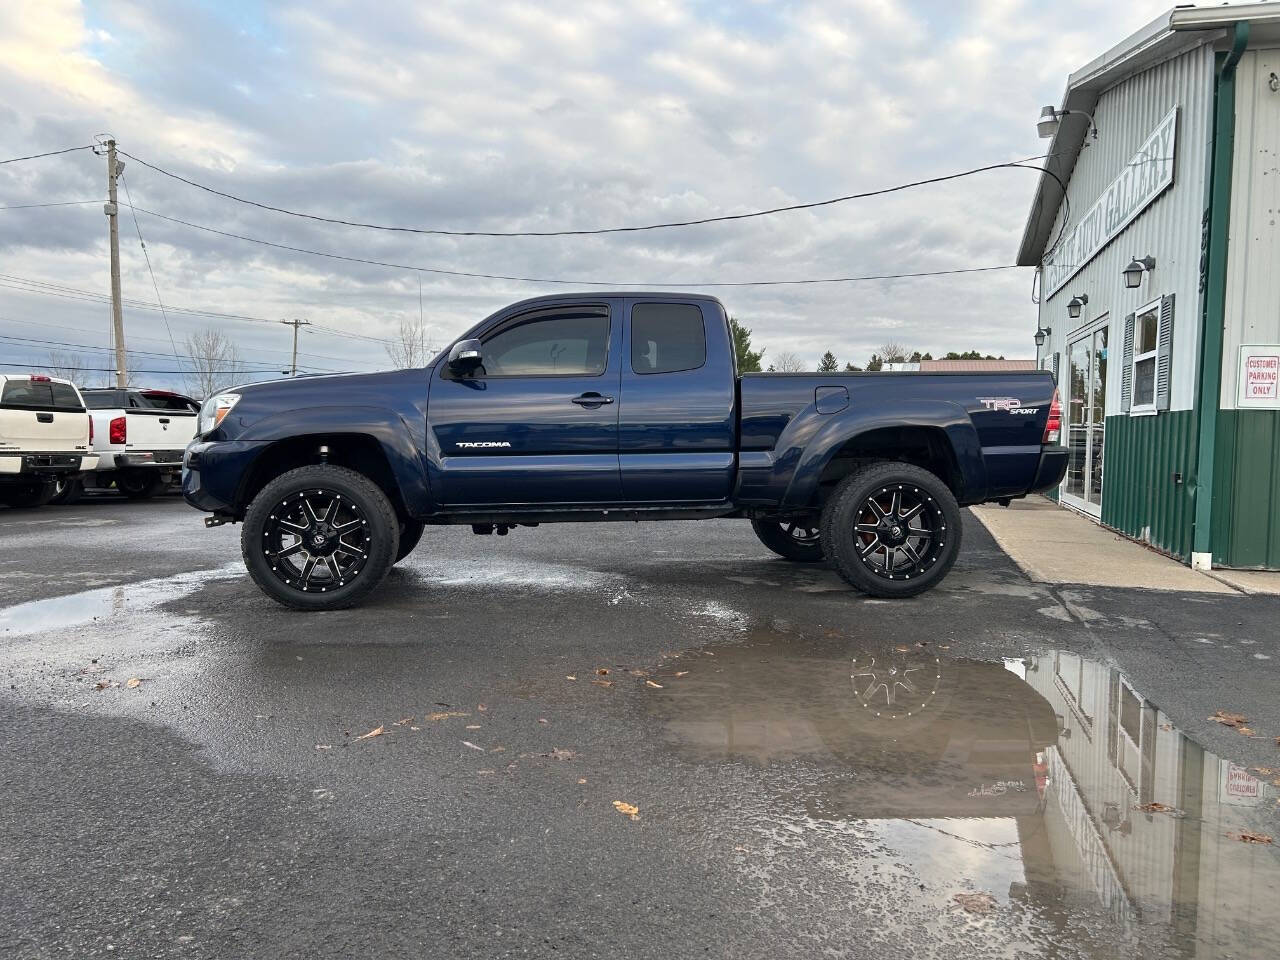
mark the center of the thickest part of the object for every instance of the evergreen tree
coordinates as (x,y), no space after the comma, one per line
(748,359)
(829,363)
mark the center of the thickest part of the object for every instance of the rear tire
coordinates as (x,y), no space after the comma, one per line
(891,529)
(796,540)
(27,494)
(319,537)
(67,490)
(140,484)
(410,534)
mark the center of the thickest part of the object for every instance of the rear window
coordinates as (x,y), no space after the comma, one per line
(103,399)
(171,401)
(667,337)
(39,395)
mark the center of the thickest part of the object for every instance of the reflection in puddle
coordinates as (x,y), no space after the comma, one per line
(1049,782)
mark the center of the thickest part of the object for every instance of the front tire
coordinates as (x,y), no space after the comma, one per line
(891,529)
(319,537)
(790,539)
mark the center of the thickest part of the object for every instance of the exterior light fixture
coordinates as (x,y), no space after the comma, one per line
(1051,117)
(1041,334)
(1137,267)
(1075,305)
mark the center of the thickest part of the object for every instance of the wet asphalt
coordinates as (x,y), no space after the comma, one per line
(619,740)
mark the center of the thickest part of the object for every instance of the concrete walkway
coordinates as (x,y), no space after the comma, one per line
(1055,545)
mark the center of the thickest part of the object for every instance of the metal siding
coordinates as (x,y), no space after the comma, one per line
(1139,495)
(1253,282)
(1246,516)
(1169,229)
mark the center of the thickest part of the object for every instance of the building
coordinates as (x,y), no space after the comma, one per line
(1159,283)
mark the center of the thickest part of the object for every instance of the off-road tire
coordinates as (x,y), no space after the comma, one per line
(848,504)
(777,535)
(383,531)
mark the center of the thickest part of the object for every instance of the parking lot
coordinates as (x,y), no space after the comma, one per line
(607,740)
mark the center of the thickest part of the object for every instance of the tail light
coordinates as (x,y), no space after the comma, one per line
(91,430)
(117,431)
(1053,426)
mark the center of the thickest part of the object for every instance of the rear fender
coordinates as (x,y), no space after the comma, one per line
(792,474)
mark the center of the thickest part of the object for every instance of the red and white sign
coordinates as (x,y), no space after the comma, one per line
(1238,787)
(1259,376)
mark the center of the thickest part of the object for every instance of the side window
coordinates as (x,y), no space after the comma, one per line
(667,337)
(1148,348)
(560,342)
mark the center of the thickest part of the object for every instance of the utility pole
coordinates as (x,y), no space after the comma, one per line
(112,210)
(293,367)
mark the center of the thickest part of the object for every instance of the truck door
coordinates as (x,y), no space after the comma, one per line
(677,435)
(537,423)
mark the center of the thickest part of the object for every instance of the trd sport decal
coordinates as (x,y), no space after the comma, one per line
(1008,404)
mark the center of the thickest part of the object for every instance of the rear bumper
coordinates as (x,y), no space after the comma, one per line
(149,458)
(1051,470)
(20,464)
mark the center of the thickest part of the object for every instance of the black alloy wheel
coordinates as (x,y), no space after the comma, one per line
(892,529)
(320,537)
(792,539)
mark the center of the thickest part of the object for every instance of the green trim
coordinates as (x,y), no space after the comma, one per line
(1215,286)
(1246,524)
(1147,483)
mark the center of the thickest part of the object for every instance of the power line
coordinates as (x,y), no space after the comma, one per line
(45,366)
(147,257)
(51,153)
(60,203)
(132,352)
(599,230)
(575,283)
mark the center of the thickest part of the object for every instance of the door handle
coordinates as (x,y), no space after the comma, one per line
(591,399)
(164,419)
(44,418)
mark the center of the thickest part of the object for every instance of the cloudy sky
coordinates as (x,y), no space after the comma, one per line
(526,116)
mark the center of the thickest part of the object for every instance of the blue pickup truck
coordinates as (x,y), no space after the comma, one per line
(614,406)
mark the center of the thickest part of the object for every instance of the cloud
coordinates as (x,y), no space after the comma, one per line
(539,116)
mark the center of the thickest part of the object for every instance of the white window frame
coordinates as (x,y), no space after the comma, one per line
(1145,409)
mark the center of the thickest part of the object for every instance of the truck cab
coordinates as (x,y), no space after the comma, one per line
(45,434)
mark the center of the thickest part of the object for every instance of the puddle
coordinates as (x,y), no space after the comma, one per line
(1032,781)
(57,613)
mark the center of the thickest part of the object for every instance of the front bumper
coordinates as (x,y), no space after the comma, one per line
(213,473)
(1051,470)
(45,464)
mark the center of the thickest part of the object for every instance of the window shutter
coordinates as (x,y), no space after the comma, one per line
(1164,353)
(1126,368)
(1057,359)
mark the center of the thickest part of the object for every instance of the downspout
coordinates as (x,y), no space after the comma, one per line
(1214,305)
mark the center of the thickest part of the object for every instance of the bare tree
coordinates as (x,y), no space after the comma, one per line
(412,347)
(215,362)
(68,365)
(788,362)
(893,352)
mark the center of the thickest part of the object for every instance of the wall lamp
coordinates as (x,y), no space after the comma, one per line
(1051,117)
(1137,267)
(1041,334)
(1076,304)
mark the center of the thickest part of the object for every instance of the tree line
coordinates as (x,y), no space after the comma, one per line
(750,361)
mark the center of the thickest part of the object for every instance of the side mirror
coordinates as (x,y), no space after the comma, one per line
(465,357)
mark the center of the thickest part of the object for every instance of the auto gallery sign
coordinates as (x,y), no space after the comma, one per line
(1148,173)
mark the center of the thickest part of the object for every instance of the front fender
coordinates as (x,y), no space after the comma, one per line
(400,441)
(789,476)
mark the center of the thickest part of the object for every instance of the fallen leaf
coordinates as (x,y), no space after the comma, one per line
(1247,731)
(708,653)
(543,720)
(375,732)
(446,714)
(944,646)
(682,673)
(103,685)
(323,746)
(602,671)
(976,902)
(603,683)
(902,648)
(1156,807)
(1267,771)
(626,808)
(1167,727)
(1229,719)
(472,746)
(650,683)
(559,754)
(473,726)
(414,728)
(402,721)
(486,771)
(1250,837)
(582,780)
(638,673)
(570,677)
(133,682)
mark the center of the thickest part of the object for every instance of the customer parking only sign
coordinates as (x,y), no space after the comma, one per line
(1259,381)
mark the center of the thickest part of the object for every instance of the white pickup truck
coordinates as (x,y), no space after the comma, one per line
(45,438)
(139,436)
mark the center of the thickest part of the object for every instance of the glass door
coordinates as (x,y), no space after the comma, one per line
(1086,419)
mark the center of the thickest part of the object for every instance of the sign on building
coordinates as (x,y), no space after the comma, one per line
(1259,378)
(1144,177)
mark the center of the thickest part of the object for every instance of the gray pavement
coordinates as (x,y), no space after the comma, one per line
(997,768)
